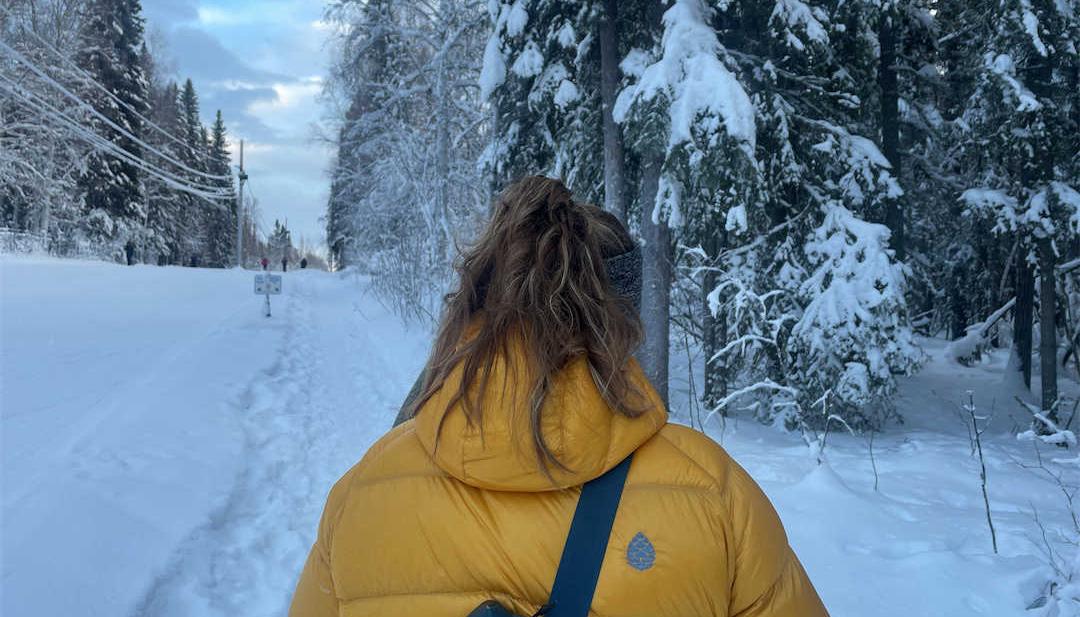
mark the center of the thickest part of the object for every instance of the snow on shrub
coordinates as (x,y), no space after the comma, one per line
(1061,597)
(852,336)
(687,104)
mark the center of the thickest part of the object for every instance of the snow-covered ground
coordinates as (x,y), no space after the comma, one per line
(919,544)
(166,447)
(166,450)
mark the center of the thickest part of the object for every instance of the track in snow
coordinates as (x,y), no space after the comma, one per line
(310,415)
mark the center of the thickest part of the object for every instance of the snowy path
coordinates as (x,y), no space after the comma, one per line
(303,427)
(180,464)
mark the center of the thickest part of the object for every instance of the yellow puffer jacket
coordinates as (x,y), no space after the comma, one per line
(415,529)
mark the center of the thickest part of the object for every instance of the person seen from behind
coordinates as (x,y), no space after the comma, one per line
(532,391)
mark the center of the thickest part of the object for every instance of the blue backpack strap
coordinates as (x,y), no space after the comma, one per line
(583,554)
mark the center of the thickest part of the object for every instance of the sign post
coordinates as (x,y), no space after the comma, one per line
(267,284)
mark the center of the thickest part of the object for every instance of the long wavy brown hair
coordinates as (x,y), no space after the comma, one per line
(537,273)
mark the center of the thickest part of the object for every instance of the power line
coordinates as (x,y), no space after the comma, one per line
(83,104)
(208,193)
(110,146)
(79,101)
(90,78)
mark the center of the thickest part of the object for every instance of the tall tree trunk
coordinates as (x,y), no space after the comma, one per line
(1022,316)
(1037,172)
(714,332)
(494,179)
(1040,172)
(1048,328)
(614,160)
(890,122)
(958,293)
(656,281)
(442,145)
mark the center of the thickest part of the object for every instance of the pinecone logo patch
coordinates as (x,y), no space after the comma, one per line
(640,553)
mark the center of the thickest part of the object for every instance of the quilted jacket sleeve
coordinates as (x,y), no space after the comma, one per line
(315,595)
(769,580)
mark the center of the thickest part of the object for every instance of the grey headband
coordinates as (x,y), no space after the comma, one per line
(624,274)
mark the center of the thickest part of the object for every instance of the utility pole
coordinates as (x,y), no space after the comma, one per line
(240,212)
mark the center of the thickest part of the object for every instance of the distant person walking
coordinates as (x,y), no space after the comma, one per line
(265,263)
(303,263)
(284,264)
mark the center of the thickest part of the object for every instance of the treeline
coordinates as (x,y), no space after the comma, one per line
(411,128)
(101,151)
(813,183)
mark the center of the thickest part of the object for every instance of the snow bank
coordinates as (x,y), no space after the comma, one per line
(117,436)
(919,543)
(154,425)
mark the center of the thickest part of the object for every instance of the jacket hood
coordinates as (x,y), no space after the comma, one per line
(586,435)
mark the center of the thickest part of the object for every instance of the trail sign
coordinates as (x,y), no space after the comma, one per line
(267,284)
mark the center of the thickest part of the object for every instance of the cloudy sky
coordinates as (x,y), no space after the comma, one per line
(262,63)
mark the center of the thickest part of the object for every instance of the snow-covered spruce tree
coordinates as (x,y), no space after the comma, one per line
(193,230)
(1022,113)
(963,276)
(685,113)
(221,215)
(956,277)
(166,207)
(885,53)
(541,76)
(808,290)
(853,335)
(112,35)
(150,243)
(616,182)
(40,158)
(405,182)
(361,137)
(280,245)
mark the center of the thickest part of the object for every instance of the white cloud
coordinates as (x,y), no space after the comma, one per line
(252,13)
(214,16)
(295,106)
